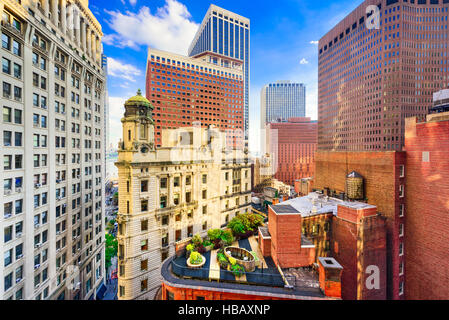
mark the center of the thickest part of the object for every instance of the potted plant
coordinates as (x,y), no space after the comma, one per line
(237,270)
(197,241)
(195,258)
(208,245)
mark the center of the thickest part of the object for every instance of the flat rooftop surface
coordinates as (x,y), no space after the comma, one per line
(316,203)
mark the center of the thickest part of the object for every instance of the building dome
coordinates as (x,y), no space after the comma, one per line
(139,101)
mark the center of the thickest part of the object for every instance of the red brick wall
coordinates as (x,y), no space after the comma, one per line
(286,248)
(361,240)
(382,180)
(427,211)
(265,246)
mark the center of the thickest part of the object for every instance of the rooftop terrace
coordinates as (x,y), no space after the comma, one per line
(267,279)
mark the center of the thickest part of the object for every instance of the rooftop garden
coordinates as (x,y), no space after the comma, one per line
(233,259)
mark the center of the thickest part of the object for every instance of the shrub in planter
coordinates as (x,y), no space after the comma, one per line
(190,247)
(196,258)
(218,244)
(227,237)
(237,270)
(197,240)
(214,234)
(201,249)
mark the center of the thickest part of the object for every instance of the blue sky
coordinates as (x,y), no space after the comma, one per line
(283,36)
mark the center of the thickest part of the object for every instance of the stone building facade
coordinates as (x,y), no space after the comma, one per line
(166,195)
(52,133)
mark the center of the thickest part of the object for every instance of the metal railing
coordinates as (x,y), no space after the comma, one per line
(260,278)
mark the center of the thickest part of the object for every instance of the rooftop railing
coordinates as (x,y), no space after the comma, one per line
(258,277)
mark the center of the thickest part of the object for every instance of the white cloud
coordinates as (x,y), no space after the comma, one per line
(170,28)
(304,61)
(314,42)
(122,70)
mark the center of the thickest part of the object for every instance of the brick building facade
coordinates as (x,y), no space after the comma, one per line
(427,219)
(186,90)
(292,145)
(384,177)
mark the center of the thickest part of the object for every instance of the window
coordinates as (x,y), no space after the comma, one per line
(144,186)
(163,183)
(7,114)
(401,230)
(7,162)
(402,171)
(204,209)
(122,291)
(8,234)
(401,249)
(6,66)
(144,245)
(401,288)
(204,178)
(8,258)
(18,164)
(188,181)
(176,182)
(144,285)
(17,116)
(144,205)
(163,201)
(8,282)
(144,225)
(401,191)
(7,138)
(144,265)
(176,199)
(6,42)
(7,210)
(188,197)
(16,48)
(401,210)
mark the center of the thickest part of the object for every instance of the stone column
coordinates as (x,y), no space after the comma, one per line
(83,35)
(46,7)
(77,27)
(64,16)
(89,40)
(93,45)
(54,12)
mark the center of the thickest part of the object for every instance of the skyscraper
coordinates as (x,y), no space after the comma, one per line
(370,79)
(52,191)
(282,100)
(226,34)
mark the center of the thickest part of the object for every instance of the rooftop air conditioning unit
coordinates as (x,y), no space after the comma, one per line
(19,235)
(37,185)
(36,266)
(7,192)
(7,215)
(19,190)
(18,280)
(37,225)
(37,245)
